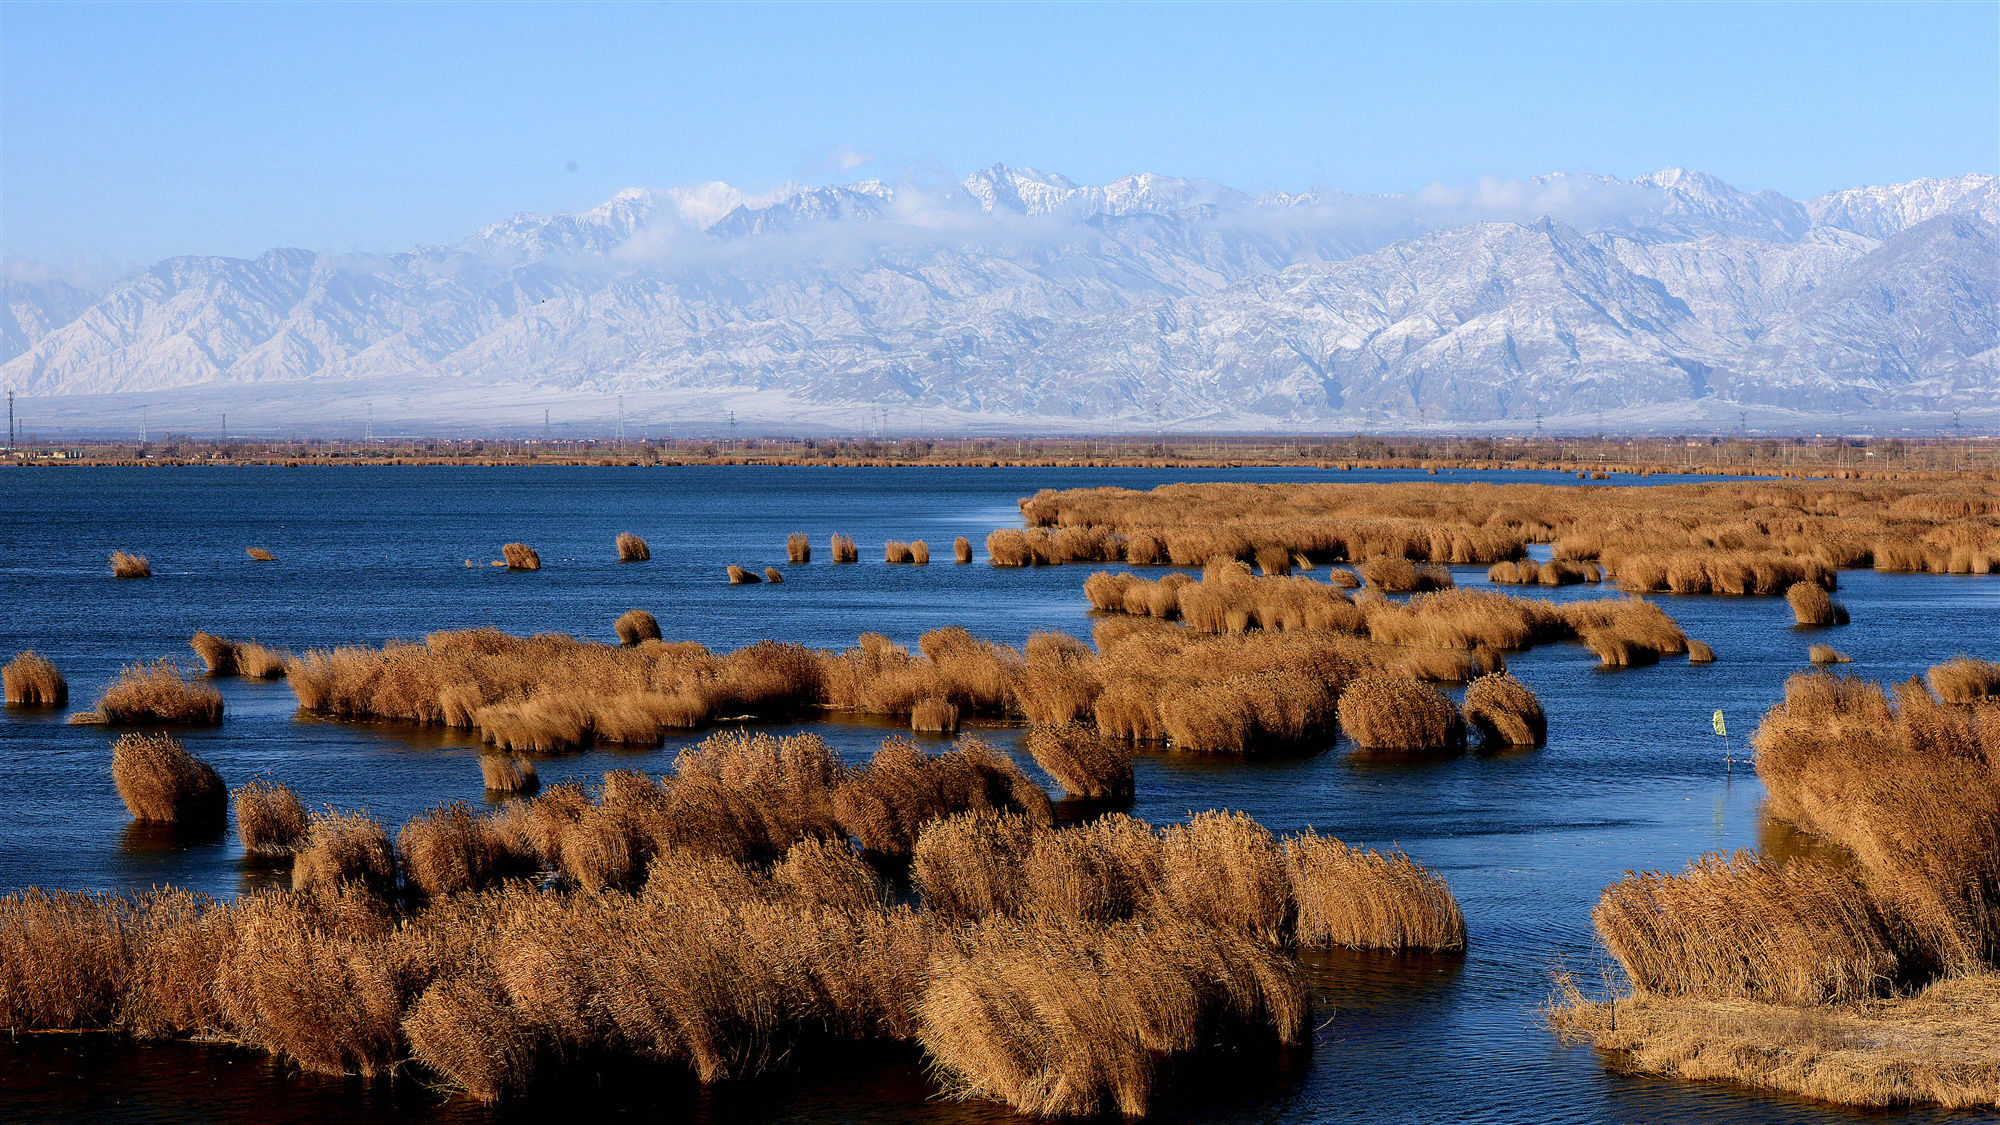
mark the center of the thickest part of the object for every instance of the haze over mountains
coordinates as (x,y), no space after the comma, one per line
(1019,300)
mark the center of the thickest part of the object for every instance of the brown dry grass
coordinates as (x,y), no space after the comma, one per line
(520,556)
(1935,1048)
(32,680)
(772,574)
(961,550)
(506,773)
(1085,763)
(798,549)
(1961,679)
(158,693)
(843,550)
(1699,652)
(631,548)
(218,653)
(741,577)
(270,818)
(635,625)
(1811,605)
(343,851)
(1827,654)
(259,662)
(1504,711)
(1384,712)
(449,850)
(934,716)
(1366,900)
(259,554)
(895,551)
(160,781)
(130,566)
(920,553)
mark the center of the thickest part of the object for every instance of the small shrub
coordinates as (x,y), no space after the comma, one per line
(270,820)
(635,625)
(520,556)
(160,781)
(130,566)
(32,681)
(631,548)
(798,548)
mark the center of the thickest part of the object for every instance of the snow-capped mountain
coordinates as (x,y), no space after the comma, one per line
(1021,297)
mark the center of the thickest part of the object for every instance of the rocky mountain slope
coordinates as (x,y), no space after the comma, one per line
(1023,298)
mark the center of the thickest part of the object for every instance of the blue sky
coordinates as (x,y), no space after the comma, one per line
(132,132)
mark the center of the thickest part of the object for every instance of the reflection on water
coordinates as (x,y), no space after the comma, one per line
(1631,778)
(143,836)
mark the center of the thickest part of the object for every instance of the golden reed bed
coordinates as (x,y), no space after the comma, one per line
(1872,979)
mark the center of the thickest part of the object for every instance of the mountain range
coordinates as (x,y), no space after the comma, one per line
(1019,300)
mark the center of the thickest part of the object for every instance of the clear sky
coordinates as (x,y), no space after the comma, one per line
(130,132)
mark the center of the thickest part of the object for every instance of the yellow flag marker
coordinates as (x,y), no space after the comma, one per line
(1720,728)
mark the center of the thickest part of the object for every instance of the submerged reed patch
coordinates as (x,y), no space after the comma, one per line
(772,574)
(741,577)
(636,625)
(218,653)
(895,551)
(520,556)
(843,549)
(259,554)
(631,548)
(1827,654)
(507,773)
(798,549)
(345,851)
(920,553)
(130,566)
(1362,899)
(1379,711)
(31,680)
(160,781)
(1085,763)
(961,550)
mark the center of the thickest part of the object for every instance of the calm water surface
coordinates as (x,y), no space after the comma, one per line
(1631,777)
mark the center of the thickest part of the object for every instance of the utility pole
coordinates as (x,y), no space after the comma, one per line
(10,419)
(145,422)
(621,421)
(225,427)
(732,429)
(368,432)
(545,425)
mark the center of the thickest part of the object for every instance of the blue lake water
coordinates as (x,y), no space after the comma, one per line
(1632,776)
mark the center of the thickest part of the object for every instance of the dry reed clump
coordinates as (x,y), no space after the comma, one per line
(1827,654)
(1720,571)
(772,574)
(1401,576)
(920,553)
(886,805)
(1623,632)
(259,554)
(449,850)
(130,566)
(631,548)
(1795,933)
(1555,572)
(741,577)
(1505,712)
(1384,712)
(1699,652)
(31,680)
(160,781)
(218,653)
(507,773)
(1225,870)
(1812,606)
(520,556)
(345,850)
(1085,763)
(934,716)
(970,866)
(259,662)
(1071,1021)
(961,550)
(1961,679)
(270,819)
(1363,899)
(65,958)
(158,693)
(635,625)
(844,551)
(896,551)
(798,549)
(1934,1048)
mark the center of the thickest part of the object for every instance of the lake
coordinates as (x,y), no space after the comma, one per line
(1632,776)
